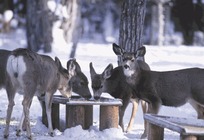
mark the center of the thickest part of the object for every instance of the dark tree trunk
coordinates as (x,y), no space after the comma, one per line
(39,26)
(131,26)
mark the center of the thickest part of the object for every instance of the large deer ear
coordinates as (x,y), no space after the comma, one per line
(92,71)
(57,61)
(117,50)
(141,52)
(108,71)
(71,67)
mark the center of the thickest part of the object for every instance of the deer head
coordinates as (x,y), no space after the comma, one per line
(78,81)
(129,60)
(98,80)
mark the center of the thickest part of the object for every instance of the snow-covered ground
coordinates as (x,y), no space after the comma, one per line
(159,58)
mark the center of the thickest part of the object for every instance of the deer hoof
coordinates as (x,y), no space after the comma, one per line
(51,134)
(18,132)
(6,136)
(144,135)
(128,130)
(30,137)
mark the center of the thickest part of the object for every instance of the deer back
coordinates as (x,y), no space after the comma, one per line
(31,71)
(170,88)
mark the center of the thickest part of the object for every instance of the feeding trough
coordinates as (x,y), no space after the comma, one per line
(79,111)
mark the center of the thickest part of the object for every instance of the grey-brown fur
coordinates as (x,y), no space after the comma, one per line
(42,77)
(169,88)
(3,60)
(112,81)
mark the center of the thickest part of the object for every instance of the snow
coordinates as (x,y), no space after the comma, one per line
(159,58)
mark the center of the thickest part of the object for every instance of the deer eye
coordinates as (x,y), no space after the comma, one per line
(82,83)
(132,60)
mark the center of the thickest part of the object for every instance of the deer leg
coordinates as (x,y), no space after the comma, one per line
(122,112)
(26,106)
(134,110)
(10,94)
(200,112)
(199,109)
(153,108)
(24,121)
(144,106)
(144,109)
(48,105)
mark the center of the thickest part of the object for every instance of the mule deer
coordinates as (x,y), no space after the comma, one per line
(170,88)
(30,74)
(78,82)
(113,82)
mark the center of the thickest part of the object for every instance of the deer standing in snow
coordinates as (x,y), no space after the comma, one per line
(169,88)
(30,74)
(112,81)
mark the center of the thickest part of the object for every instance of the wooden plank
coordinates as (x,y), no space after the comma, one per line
(110,103)
(163,123)
(187,127)
(77,100)
(155,132)
(184,121)
(108,117)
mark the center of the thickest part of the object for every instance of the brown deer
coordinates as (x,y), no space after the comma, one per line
(113,82)
(30,74)
(169,88)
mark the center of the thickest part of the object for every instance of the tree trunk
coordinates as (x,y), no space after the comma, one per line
(72,25)
(131,26)
(39,26)
(157,23)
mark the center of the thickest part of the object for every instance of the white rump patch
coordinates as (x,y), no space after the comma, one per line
(16,67)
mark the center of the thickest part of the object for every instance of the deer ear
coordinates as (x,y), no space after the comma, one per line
(141,52)
(117,50)
(71,67)
(92,71)
(57,61)
(108,71)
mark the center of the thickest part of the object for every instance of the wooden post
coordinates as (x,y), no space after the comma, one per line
(74,115)
(79,115)
(187,137)
(155,132)
(88,116)
(108,117)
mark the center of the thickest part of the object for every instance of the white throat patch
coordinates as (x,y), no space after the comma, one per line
(128,72)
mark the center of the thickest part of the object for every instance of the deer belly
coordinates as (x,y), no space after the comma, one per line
(175,102)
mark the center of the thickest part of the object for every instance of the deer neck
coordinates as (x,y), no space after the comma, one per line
(134,78)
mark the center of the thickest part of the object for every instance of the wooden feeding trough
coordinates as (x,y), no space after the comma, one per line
(188,128)
(80,112)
